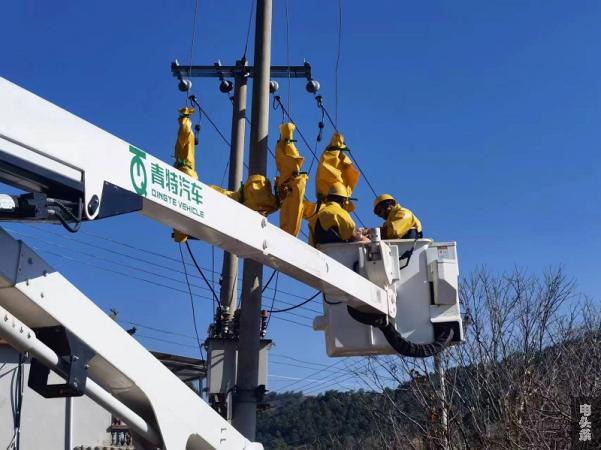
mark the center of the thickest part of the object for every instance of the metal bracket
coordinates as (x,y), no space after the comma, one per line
(74,356)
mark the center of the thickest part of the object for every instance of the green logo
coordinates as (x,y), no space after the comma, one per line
(137,171)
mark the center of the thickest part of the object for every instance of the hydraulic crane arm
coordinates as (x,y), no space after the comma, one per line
(46,149)
(123,376)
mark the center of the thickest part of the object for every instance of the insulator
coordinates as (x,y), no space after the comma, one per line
(273,86)
(264,320)
(312,86)
(184,85)
(225,86)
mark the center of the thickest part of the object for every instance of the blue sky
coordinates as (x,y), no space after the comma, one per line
(481,117)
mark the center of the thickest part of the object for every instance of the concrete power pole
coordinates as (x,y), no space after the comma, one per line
(246,397)
(229,270)
(225,374)
(441,392)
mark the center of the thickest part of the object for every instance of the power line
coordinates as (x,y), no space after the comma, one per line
(317,372)
(356,162)
(158,330)
(288,53)
(217,129)
(250,18)
(156,274)
(155,283)
(336,371)
(192,45)
(294,306)
(125,255)
(333,382)
(191,301)
(273,298)
(294,322)
(315,157)
(200,271)
(338,53)
(167,341)
(269,281)
(277,100)
(127,266)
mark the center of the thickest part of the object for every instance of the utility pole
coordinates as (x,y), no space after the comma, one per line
(236,358)
(229,271)
(247,392)
(441,392)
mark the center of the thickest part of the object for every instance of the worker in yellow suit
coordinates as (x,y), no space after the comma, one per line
(400,223)
(184,154)
(291,181)
(333,223)
(335,166)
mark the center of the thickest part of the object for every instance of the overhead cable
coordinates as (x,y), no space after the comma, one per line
(295,306)
(191,302)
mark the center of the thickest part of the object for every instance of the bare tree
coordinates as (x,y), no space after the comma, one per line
(531,345)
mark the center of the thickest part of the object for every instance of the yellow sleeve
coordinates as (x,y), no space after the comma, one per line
(346,226)
(398,223)
(339,218)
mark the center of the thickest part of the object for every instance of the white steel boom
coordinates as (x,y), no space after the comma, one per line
(72,169)
(46,149)
(124,377)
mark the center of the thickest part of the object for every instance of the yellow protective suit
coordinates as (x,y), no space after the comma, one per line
(399,221)
(184,154)
(184,146)
(331,214)
(234,195)
(289,164)
(309,209)
(335,166)
(257,194)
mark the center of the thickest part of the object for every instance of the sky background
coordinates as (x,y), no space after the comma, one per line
(481,117)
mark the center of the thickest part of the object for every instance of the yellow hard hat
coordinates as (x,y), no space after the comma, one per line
(338,189)
(382,198)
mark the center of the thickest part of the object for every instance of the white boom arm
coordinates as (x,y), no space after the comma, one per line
(45,148)
(124,377)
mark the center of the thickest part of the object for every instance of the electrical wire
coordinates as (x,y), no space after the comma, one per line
(327,381)
(277,102)
(158,330)
(320,104)
(272,311)
(192,45)
(269,280)
(288,53)
(65,222)
(213,272)
(312,374)
(17,384)
(301,366)
(154,274)
(338,54)
(127,255)
(250,18)
(202,274)
(166,341)
(359,219)
(272,300)
(155,283)
(191,303)
(211,121)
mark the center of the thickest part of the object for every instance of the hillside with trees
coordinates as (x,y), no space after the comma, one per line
(532,350)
